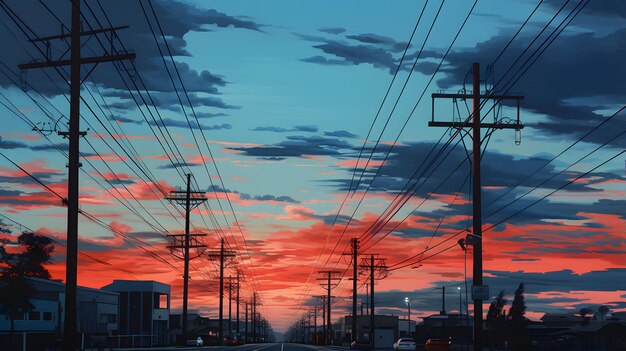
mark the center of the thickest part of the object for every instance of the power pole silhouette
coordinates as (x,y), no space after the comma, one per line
(73,134)
(323,299)
(237,298)
(355,280)
(254,319)
(329,282)
(222,255)
(245,339)
(232,284)
(480,292)
(313,309)
(374,265)
(189,200)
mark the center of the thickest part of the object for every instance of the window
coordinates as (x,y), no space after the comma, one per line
(160,301)
(47,316)
(18,316)
(110,318)
(34,316)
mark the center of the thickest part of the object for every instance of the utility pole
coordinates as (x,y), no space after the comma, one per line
(314,334)
(329,282)
(443,300)
(73,134)
(245,339)
(355,256)
(375,265)
(254,304)
(232,284)
(238,302)
(480,292)
(222,255)
(189,200)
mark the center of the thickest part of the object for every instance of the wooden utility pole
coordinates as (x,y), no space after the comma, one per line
(329,283)
(245,338)
(73,134)
(222,255)
(375,265)
(480,292)
(189,200)
(237,298)
(355,271)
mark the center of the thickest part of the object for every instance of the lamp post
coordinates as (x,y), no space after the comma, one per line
(408,306)
(460,302)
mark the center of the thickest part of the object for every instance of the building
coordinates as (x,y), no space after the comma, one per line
(144,310)
(97,314)
(385,334)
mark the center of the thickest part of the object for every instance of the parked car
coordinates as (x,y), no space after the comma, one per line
(195,342)
(360,345)
(404,344)
(438,345)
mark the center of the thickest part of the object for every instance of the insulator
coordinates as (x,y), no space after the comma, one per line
(518,136)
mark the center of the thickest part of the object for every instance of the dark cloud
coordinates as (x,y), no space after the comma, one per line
(168,122)
(268,198)
(244,196)
(321,60)
(125,120)
(371,38)
(332,30)
(560,84)
(176,18)
(297,146)
(308,129)
(210,115)
(340,134)
(378,56)
(175,165)
(10,144)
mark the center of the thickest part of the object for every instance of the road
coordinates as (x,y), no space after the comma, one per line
(251,347)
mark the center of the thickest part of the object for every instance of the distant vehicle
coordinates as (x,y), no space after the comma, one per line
(232,341)
(405,344)
(438,345)
(360,345)
(195,342)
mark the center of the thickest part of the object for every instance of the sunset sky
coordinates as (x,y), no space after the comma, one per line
(284,94)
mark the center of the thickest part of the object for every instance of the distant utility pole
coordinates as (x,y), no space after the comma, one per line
(355,280)
(254,321)
(313,310)
(323,298)
(222,255)
(245,339)
(375,265)
(480,292)
(443,300)
(329,282)
(73,134)
(237,298)
(189,200)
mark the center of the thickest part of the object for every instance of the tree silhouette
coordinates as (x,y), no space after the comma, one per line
(518,308)
(583,314)
(28,261)
(603,310)
(497,315)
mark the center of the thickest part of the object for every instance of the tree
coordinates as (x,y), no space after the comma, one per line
(603,310)
(496,314)
(583,314)
(518,308)
(15,291)
(517,320)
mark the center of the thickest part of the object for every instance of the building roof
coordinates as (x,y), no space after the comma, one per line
(137,286)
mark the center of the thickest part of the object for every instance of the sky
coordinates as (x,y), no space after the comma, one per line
(306,123)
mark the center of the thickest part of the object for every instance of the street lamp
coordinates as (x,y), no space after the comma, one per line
(460,303)
(408,304)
